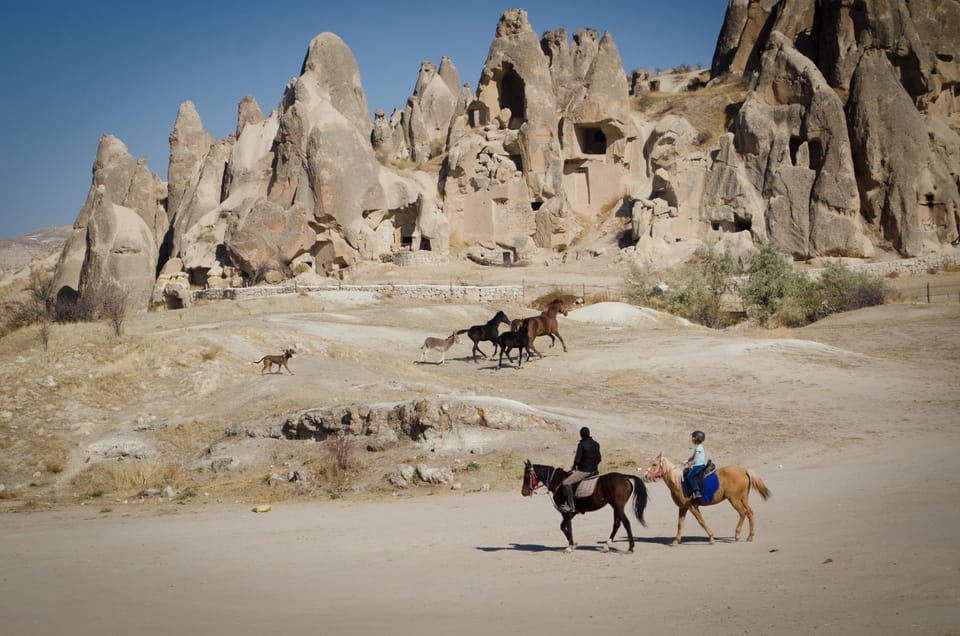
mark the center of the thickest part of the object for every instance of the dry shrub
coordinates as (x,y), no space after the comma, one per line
(341,454)
(569,299)
(55,461)
(127,476)
(950,267)
(192,436)
(601,297)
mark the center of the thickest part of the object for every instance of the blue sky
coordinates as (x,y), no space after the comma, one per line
(73,70)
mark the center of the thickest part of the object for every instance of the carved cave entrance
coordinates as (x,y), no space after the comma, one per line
(591,140)
(405,235)
(512,95)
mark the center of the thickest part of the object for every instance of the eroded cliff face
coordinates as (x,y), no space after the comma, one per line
(840,136)
(888,72)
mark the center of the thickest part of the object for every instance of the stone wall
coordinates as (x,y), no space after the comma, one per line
(463,293)
(904,267)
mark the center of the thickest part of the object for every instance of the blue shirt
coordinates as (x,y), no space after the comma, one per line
(699,456)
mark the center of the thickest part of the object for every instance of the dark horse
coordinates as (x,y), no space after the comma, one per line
(545,325)
(490,331)
(516,338)
(611,488)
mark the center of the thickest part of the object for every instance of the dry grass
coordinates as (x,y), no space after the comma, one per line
(708,109)
(127,477)
(191,437)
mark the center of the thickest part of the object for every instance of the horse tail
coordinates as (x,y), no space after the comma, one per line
(639,498)
(757,482)
(460,331)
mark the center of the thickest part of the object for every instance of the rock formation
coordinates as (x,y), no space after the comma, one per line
(896,63)
(843,138)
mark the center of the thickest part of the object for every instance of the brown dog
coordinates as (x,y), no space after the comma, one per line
(280,361)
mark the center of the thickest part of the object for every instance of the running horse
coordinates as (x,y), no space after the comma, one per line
(489,332)
(612,489)
(545,325)
(734,486)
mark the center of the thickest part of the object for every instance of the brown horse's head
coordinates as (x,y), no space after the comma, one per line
(656,469)
(556,306)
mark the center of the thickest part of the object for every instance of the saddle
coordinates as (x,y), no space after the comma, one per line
(585,487)
(708,470)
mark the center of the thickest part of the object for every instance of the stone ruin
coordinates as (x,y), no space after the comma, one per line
(845,143)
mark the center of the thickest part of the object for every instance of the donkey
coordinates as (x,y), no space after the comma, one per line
(438,344)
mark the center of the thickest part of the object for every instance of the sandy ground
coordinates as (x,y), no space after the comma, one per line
(852,423)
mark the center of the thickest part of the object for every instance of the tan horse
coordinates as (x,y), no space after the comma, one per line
(735,484)
(545,325)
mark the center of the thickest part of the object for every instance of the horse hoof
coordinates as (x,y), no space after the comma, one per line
(568,549)
(712,541)
(675,543)
(605,549)
(750,538)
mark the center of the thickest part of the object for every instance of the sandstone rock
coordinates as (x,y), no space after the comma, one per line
(903,162)
(793,130)
(431,108)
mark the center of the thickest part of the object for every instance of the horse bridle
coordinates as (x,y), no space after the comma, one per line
(661,473)
(535,481)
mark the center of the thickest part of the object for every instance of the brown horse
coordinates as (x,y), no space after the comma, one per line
(611,488)
(735,484)
(545,325)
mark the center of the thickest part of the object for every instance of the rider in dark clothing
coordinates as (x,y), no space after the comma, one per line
(585,463)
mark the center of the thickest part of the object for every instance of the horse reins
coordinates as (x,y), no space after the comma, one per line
(535,481)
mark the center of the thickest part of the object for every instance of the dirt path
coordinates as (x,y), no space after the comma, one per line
(832,556)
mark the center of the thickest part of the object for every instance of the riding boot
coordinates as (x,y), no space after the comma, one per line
(568,493)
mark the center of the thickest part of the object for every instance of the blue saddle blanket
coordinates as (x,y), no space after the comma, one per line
(710,485)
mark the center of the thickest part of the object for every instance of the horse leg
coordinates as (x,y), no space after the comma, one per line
(613,533)
(703,522)
(742,511)
(567,527)
(749,509)
(620,516)
(561,342)
(533,346)
(681,515)
(476,348)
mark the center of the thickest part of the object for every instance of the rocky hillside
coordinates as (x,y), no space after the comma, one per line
(830,128)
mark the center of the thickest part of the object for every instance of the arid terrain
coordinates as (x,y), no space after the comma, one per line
(852,423)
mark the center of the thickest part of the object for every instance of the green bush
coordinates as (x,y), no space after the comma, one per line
(843,289)
(695,291)
(770,280)
(638,282)
(774,293)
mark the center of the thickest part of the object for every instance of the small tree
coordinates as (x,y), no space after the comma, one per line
(638,284)
(698,292)
(771,279)
(33,307)
(114,301)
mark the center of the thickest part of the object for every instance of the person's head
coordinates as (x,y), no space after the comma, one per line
(698,437)
(584,433)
